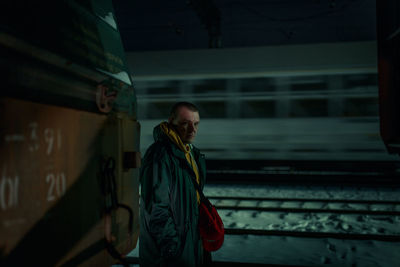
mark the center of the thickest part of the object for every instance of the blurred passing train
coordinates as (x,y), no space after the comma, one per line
(303,102)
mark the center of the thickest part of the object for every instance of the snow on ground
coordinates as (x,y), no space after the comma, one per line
(308,251)
(311,222)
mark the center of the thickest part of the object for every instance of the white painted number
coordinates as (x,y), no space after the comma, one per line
(61,184)
(57,186)
(50,193)
(49,139)
(34,145)
(52,139)
(8,192)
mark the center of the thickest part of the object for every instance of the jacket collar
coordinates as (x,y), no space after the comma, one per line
(163,132)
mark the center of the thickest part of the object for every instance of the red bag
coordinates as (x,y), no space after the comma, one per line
(210,225)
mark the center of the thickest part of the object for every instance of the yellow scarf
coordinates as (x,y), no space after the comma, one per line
(174,137)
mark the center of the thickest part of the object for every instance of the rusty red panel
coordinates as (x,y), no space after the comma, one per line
(51,200)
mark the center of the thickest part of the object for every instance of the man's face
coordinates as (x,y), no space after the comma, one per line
(186,124)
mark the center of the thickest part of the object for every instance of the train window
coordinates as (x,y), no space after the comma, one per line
(361,80)
(212,109)
(158,110)
(166,87)
(309,108)
(357,107)
(258,109)
(257,85)
(209,86)
(308,83)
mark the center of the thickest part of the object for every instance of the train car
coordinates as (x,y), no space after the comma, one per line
(69,136)
(388,56)
(316,102)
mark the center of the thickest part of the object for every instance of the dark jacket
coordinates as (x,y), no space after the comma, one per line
(169,234)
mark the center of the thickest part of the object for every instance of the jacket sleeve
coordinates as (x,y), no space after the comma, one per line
(156,177)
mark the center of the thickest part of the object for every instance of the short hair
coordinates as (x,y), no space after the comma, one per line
(175,108)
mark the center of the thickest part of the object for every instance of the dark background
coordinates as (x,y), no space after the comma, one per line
(181,24)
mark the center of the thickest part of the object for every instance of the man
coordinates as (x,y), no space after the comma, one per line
(169,234)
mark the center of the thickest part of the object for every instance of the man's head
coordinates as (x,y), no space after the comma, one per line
(185,119)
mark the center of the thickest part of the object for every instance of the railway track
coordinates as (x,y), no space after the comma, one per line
(348,236)
(310,218)
(341,206)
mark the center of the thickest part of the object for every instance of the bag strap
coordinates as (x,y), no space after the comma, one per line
(203,198)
